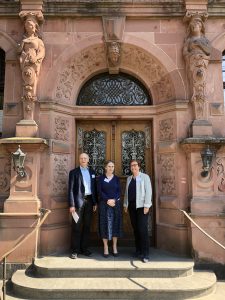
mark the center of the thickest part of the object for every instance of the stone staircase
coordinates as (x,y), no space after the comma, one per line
(97,278)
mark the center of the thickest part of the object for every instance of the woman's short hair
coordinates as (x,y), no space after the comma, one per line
(137,161)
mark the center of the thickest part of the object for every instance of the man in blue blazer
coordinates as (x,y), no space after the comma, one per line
(82,200)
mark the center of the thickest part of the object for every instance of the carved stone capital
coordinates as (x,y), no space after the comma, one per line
(35,5)
(33,15)
(200,5)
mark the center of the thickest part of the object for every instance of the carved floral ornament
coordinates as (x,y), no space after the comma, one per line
(93,60)
(197,52)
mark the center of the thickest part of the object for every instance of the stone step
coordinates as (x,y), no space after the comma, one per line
(196,285)
(160,266)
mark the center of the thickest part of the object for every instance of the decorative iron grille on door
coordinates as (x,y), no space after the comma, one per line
(133,147)
(94,143)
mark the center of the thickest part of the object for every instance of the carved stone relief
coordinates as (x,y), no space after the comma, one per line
(132,58)
(145,64)
(166,130)
(167,171)
(60,174)
(31,52)
(84,63)
(61,131)
(113,54)
(197,52)
(220,173)
(5,170)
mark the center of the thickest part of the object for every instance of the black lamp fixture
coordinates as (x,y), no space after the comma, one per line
(207,157)
(18,162)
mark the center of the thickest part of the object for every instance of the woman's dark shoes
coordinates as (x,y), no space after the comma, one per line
(115,254)
(105,255)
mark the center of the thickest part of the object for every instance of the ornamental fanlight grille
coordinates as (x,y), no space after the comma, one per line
(113,90)
(133,147)
(94,144)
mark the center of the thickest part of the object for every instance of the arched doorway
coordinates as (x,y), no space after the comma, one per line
(116,139)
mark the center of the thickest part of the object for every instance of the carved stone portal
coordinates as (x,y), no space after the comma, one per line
(197,51)
(31,54)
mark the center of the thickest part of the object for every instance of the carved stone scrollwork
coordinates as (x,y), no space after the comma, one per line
(5,175)
(31,54)
(83,63)
(168,178)
(166,129)
(61,129)
(197,52)
(60,174)
(155,74)
(220,172)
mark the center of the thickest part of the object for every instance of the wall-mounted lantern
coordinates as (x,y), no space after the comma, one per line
(18,162)
(207,157)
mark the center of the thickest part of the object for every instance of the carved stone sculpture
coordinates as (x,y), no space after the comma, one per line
(113,54)
(197,51)
(32,53)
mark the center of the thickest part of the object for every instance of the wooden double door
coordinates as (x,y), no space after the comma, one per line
(119,141)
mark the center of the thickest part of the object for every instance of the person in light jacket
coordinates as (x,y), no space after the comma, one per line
(138,201)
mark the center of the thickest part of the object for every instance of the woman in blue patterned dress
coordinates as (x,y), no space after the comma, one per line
(110,216)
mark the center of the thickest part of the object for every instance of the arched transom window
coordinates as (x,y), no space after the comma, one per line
(115,90)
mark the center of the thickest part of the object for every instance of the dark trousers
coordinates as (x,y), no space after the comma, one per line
(139,222)
(81,229)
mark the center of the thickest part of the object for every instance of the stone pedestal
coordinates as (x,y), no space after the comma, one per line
(201,128)
(23,199)
(207,197)
(27,128)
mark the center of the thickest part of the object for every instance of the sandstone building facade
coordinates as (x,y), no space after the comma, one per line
(120,80)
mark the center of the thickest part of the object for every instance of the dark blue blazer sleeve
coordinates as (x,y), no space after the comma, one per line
(71,199)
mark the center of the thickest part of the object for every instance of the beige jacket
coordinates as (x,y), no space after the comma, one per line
(143,191)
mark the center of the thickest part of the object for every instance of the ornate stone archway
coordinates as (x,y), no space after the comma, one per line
(75,66)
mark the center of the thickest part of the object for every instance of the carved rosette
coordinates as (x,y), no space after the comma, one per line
(31,52)
(5,175)
(60,174)
(61,131)
(167,171)
(166,130)
(196,52)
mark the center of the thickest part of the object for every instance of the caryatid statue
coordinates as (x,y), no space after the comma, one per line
(32,52)
(197,51)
